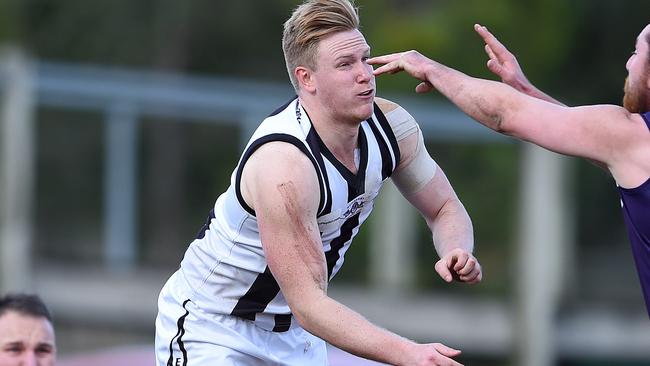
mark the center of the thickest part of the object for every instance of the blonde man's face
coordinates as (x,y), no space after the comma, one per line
(343,80)
(26,340)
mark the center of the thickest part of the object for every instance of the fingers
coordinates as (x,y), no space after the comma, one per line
(467,267)
(460,265)
(490,53)
(482,31)
(498,49)
(473,278)
(390,68)
(475,275)
(385,59)
(446,351)
(390,64)
(495,67)
(443,270)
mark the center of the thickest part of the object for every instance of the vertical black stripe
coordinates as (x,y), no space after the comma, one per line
(386,159)
(282,322)
(179,335)
(347,230)
(356,182)
(383,122)
(332,256)
(258,296)
(312,141)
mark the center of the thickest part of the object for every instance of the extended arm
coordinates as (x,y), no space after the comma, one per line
(604,133)
(425,185)
(280,183)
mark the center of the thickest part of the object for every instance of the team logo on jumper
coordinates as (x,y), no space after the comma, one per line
(354,207)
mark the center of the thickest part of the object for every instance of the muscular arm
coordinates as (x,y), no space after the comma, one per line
(603,133)
(280,184)
(426,187)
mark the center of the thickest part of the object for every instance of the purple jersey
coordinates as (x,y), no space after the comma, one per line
(636,212)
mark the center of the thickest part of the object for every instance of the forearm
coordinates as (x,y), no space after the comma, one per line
(529,89)
(452,228)
(349,331)
(488,102)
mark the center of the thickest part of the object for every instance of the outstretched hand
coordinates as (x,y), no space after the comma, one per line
(502,62)
(460,265)
(433,354)
(412,62)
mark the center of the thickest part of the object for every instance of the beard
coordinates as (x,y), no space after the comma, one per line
(635,99)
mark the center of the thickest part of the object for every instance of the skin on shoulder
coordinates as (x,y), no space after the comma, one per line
(386,105)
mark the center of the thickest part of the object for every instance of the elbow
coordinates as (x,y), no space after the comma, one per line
(300,310)
(492,116)
(498,114)
(504,125)
(303,308)
(303,320)
(498,125)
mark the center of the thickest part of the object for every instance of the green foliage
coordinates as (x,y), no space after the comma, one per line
(9,25)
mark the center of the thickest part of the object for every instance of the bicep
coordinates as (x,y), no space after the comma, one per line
(594,132)
(291,243)
(283,189)
(431,198)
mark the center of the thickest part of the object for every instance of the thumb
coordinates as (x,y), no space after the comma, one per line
(443,270)
(424,87)
(495,67)
(446,351)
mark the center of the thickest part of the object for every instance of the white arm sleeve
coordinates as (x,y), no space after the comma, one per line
(421,168)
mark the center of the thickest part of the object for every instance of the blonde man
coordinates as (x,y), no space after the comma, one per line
(252,288)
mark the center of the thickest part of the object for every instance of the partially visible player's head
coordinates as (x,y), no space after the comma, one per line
(637,83)
(311,22)
(26,332)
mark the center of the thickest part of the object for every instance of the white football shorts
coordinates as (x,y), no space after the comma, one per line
(188,336)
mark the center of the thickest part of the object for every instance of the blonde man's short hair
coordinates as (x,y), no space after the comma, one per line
(310,22)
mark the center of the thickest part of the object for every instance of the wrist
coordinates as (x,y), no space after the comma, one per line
(430,71)
(404,349)
(523,85)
